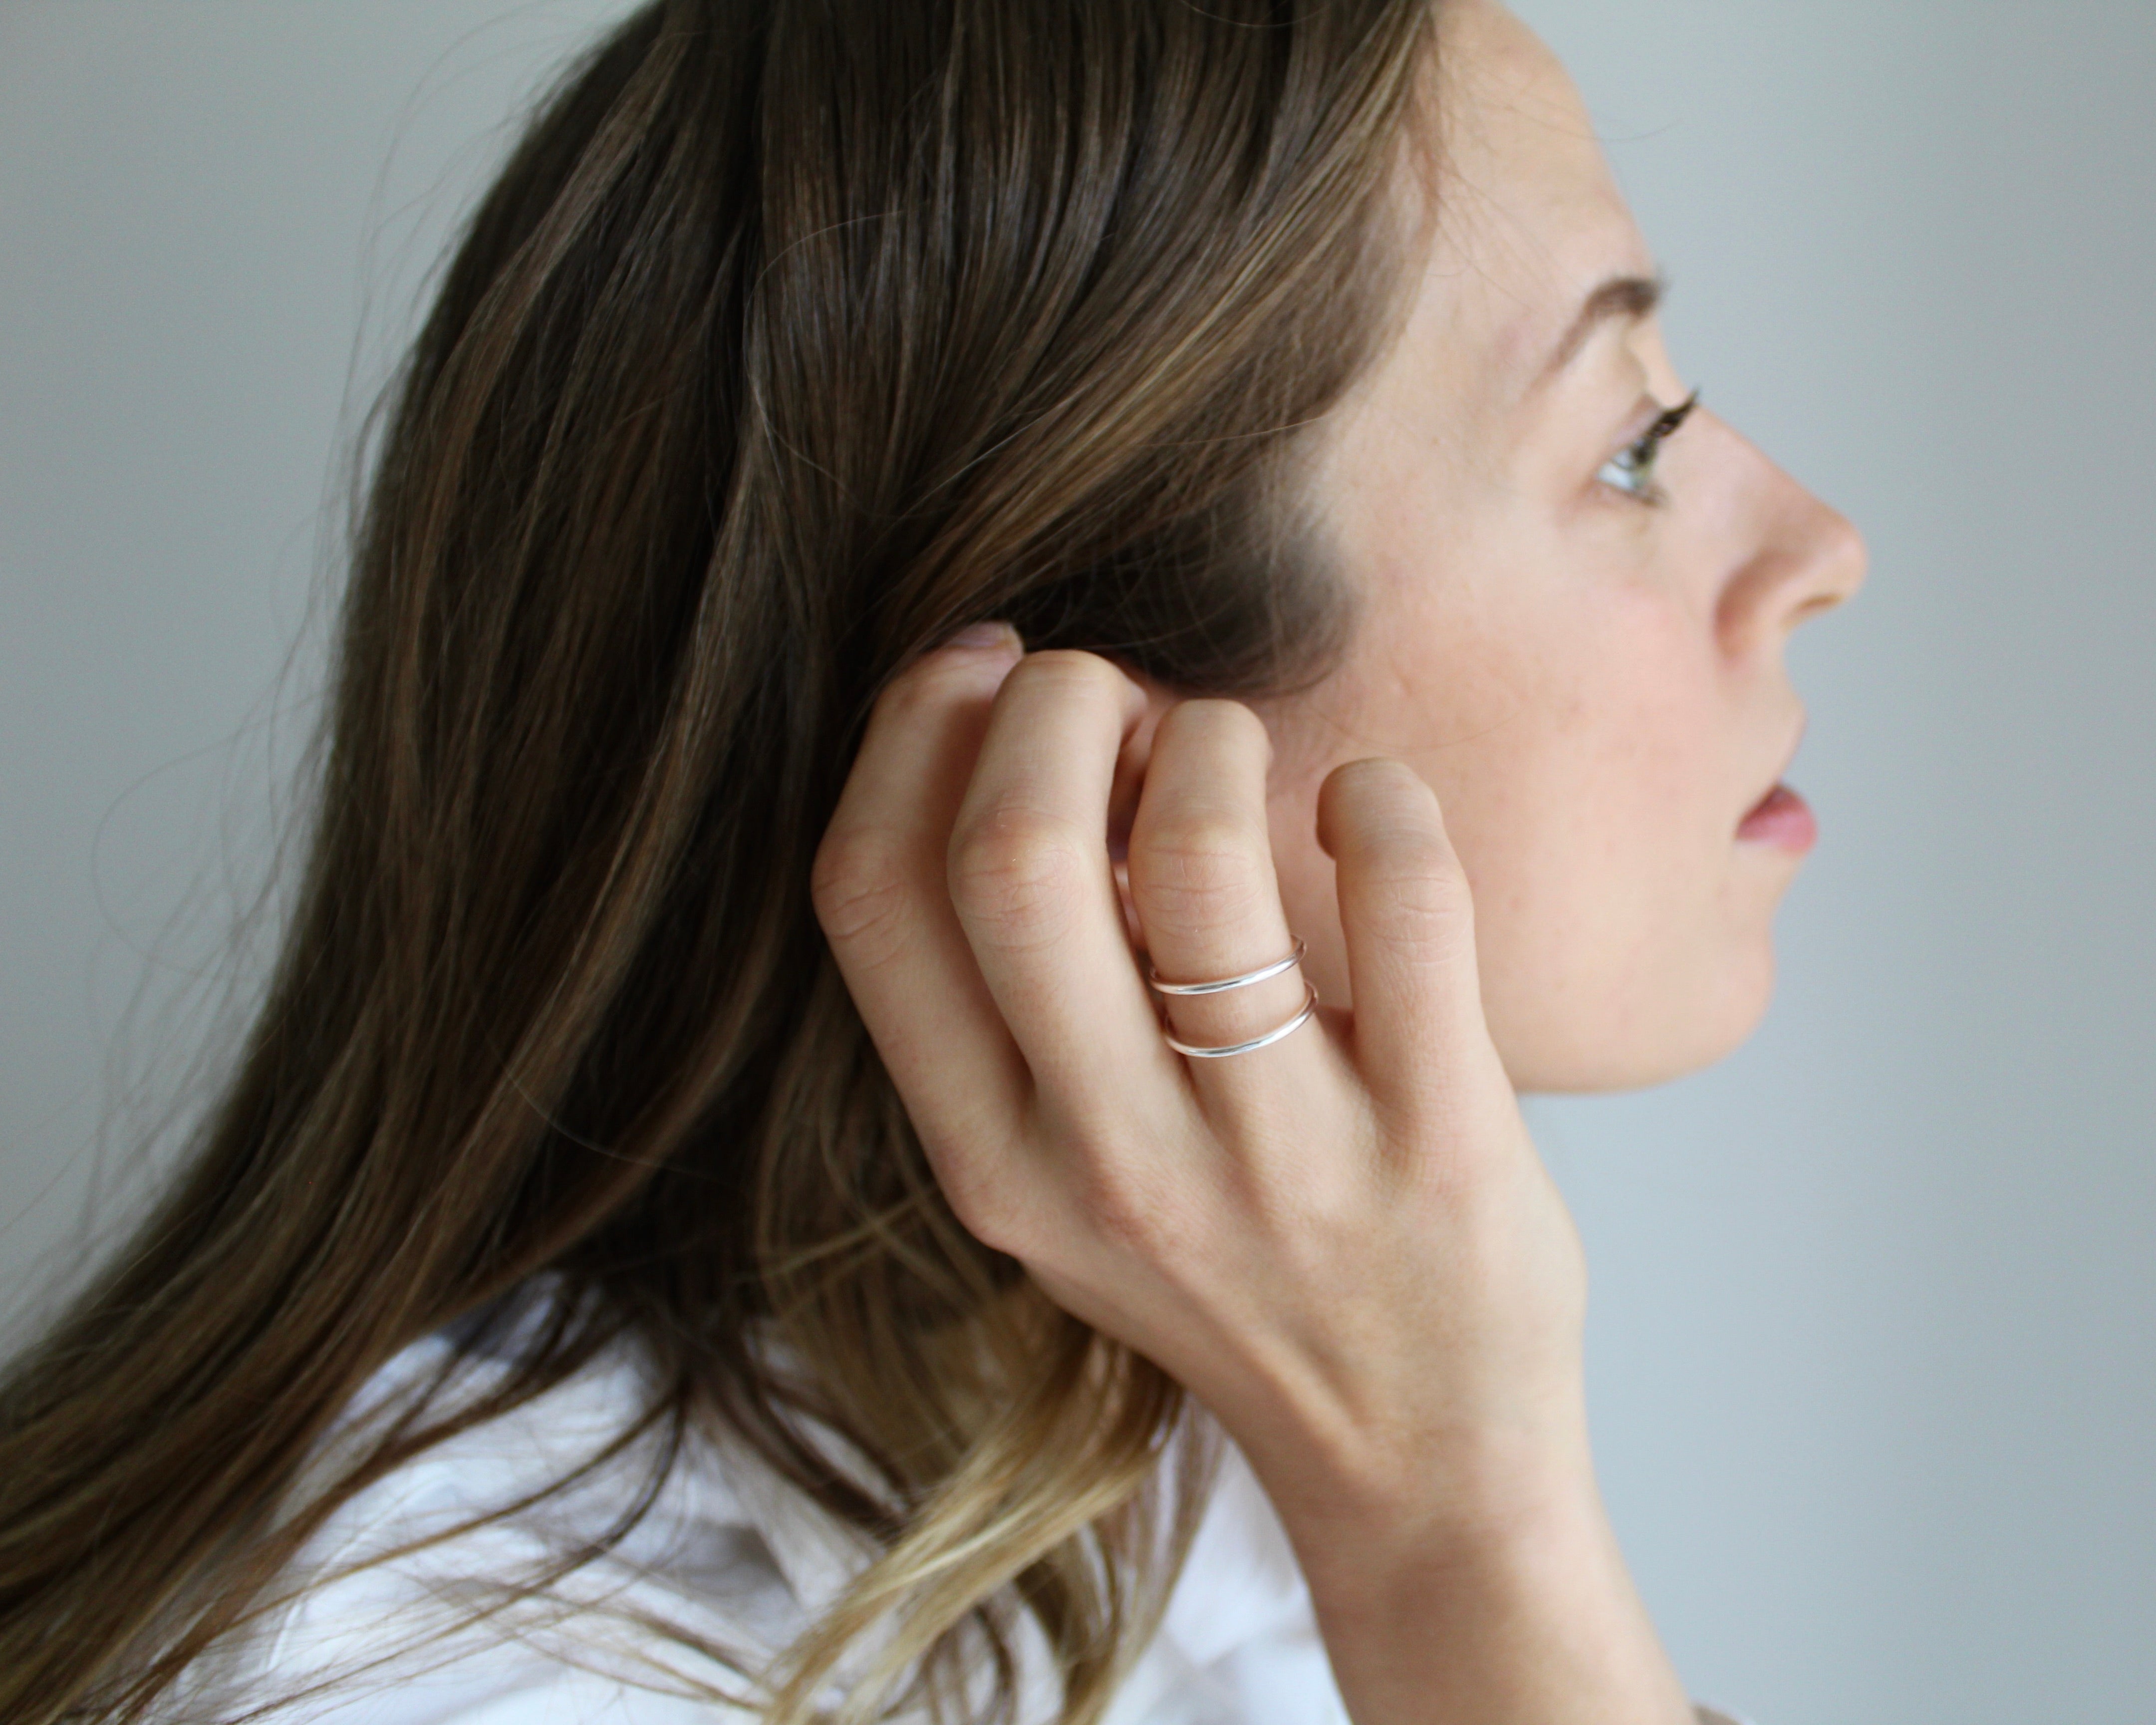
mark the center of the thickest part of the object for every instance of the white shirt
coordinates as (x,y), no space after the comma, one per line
(725,1549)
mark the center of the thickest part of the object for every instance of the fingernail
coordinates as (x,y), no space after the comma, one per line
(986,634)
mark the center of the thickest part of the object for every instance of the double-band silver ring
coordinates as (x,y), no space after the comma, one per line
(1263,974)
(1273,1035)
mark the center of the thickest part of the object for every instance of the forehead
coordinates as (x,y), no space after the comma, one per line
(1529,219)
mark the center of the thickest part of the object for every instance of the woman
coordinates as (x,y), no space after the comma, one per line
(937,576)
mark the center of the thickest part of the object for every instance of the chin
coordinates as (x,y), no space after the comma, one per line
(1631,1043)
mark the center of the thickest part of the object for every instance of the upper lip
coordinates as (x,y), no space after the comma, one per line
(1788,756)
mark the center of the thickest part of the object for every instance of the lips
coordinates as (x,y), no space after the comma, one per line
(1781,820)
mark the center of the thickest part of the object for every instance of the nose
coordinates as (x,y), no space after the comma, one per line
(1805,558)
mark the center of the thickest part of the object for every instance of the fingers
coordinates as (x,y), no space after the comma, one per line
(1030,876)
(1202,880)
(1420,1037)
(880,894)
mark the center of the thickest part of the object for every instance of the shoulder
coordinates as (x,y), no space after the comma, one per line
(537,1566)
(554,1561)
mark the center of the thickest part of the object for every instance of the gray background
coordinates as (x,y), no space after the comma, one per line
(1872,1353)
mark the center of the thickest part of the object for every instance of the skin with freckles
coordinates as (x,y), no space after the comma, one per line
(1591,681)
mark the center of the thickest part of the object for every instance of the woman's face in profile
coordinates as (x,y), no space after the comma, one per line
(1574,632)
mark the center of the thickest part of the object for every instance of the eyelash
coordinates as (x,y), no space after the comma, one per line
(1631,469)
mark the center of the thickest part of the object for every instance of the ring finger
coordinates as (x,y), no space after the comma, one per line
(1202,880)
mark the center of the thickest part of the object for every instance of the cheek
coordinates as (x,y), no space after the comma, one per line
(1589,822)
(1580,747)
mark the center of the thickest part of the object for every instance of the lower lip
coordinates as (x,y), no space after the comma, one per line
(1782,820)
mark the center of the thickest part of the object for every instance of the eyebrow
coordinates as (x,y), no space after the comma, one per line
(1625,296)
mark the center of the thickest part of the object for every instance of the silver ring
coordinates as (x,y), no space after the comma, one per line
(1264,974)
(1302,1017)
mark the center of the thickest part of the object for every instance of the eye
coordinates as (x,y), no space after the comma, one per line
(1631,469)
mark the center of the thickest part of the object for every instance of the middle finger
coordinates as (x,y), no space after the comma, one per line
(1035,889)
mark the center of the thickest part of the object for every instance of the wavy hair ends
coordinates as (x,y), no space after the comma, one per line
(793,335)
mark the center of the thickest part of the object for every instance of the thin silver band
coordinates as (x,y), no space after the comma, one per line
(1295,1024)
(1264,974)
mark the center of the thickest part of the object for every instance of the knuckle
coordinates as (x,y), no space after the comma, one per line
(1017,872)
(1415,896)
(923,670)
(922,688)
(857,887)
(1197,867)
(1416,855)
(1127,1211)
(985,1207)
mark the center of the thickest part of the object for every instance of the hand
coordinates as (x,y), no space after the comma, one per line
(1343,1244)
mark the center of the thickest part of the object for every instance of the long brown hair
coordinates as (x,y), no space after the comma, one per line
(794,335)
